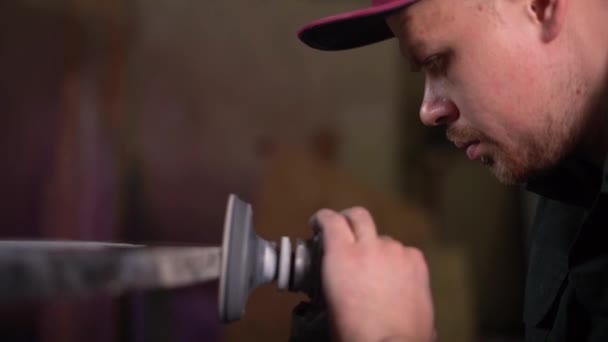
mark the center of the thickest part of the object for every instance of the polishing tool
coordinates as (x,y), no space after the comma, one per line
(46,269)
(249,261)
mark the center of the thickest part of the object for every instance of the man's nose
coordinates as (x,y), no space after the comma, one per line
(437,110)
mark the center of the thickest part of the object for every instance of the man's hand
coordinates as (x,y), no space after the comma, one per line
(376,288)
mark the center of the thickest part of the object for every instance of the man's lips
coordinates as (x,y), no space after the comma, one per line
(471,147)
(473,150)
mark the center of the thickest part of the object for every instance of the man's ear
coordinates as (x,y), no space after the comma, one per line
(550,14)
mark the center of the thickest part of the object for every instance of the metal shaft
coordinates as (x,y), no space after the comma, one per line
(39,269)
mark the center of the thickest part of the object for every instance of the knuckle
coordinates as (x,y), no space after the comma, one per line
(314,218)
(415,254)
(359,213)
(323,212)
(329,218)
(418,259)
(323,215)
(412,254)
(393,247)
(385,239)
(411,257)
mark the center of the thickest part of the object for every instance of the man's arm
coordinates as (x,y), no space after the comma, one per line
(376,288)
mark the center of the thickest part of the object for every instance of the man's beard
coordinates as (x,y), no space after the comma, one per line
(530,157)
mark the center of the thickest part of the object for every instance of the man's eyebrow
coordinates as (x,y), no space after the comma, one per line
(404,20)
(411,45)
(412,48)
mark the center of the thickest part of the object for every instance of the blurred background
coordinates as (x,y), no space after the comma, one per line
(132,121)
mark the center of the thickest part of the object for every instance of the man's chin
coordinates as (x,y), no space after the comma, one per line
(510,175)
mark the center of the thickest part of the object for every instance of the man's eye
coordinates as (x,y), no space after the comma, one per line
(433,64)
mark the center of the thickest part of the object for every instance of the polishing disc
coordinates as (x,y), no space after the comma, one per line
(238,260)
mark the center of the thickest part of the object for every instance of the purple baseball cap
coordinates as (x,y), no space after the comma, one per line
(352,29)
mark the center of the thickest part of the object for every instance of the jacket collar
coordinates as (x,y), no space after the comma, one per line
(574,181)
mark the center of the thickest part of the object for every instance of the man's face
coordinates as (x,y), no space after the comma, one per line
(506,96)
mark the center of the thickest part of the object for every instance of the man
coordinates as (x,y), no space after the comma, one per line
(518,85)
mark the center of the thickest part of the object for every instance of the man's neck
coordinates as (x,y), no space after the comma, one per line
(594,144)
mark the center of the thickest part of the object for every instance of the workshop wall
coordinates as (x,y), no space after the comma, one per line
(216,85)
(60,67)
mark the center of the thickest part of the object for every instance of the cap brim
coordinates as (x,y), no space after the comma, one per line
(352,29)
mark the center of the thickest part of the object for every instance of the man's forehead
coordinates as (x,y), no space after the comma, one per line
(412,23)
(428,13)
(427,18)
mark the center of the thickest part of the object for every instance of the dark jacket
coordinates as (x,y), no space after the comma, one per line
(567,284)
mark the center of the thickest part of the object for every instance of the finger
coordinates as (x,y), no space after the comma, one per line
(333,226)
(386,238)
(361,222)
